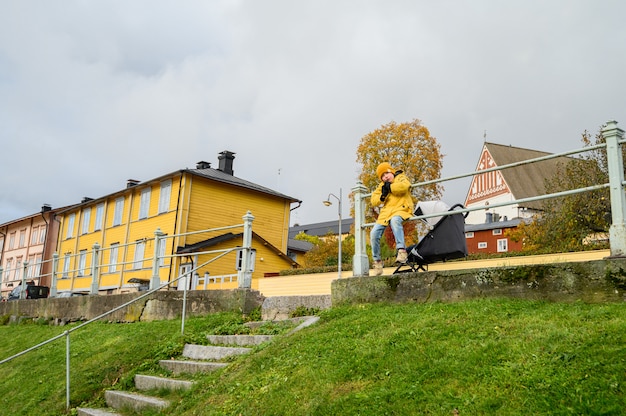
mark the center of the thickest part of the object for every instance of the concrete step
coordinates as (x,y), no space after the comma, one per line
(211,352)
(120,400)
(190,367)
(241,340)
(85,411)
(143,382)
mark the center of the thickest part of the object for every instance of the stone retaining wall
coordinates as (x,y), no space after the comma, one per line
(593,281)
(158,305)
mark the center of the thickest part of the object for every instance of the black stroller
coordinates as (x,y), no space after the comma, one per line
(445,239)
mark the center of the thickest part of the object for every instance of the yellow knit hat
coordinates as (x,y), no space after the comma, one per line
(384,168)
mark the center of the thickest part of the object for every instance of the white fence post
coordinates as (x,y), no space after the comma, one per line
(244,276)
(53,284)
(23,290)
(617,232)
(360,262)
(156,279)
(95,269)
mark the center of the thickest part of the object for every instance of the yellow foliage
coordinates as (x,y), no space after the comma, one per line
(408,147)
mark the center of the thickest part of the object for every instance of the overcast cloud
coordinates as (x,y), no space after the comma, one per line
(93,93)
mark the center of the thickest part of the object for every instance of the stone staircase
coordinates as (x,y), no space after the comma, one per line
(197,358)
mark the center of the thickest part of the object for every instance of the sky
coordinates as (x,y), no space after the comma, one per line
(93,93)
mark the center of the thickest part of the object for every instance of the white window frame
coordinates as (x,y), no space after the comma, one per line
(66,266)
(144,203)
(82,263)
(482,245)
(70,225)
(496,231)
(34,235)
(469,234)
(86,219)
(165,195)
(42,234)
(503,245)
(8,269)
(37,265)
(119,209)
(162,247)
(140,249)
(113,256)
(99,217)
(22,241)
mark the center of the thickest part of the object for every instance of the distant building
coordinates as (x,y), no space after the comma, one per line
(510,184)
(491,237)
(181,203)
(322,229)
(30,240)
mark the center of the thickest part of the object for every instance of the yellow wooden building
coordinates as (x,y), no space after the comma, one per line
(108,244)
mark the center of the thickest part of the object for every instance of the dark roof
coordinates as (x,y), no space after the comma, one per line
(202,245)
(299,245)
(496,224)
(528,180)
(320,229)
(52,211)
(219,176)
(208,173)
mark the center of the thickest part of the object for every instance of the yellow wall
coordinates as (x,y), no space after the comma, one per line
(213,204)
(196,204)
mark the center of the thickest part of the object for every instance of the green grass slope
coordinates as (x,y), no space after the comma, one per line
(482,357)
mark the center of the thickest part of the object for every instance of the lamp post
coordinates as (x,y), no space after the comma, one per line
(328,203)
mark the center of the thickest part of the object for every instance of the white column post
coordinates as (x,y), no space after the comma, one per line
(244,276)
(617,232)
(155,281)
(53,284)
(360,262)
(23,290)
(95,269)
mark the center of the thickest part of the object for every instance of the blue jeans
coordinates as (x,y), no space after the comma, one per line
(377,233)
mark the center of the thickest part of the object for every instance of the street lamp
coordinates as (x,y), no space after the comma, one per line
(328,203)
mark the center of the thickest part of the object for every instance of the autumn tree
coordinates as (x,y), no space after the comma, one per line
(408,147)
(567,221)
(324,251)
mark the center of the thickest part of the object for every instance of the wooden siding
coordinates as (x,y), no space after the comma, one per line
(21,251)
(195,204)
(491,240)
(214,204)
(126,235)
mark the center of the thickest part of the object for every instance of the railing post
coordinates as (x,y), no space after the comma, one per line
(24,270)
(95,269)
(53,284)
(67,369)
(360,262)
(155,281)
(617,232)
(244,276)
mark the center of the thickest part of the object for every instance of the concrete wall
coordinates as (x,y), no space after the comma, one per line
(593,281)
(158,305)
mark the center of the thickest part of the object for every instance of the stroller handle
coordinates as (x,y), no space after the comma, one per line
(453,207)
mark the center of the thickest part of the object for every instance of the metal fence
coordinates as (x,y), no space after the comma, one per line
(89,266)
(617,232)
(243,278)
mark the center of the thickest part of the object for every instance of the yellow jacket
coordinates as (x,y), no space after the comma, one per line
(398,202)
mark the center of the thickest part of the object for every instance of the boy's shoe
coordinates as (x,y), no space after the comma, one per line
(378,268)
(402,256)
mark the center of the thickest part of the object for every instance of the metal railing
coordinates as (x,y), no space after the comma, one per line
(243,277)
(89,265)
(617,232)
